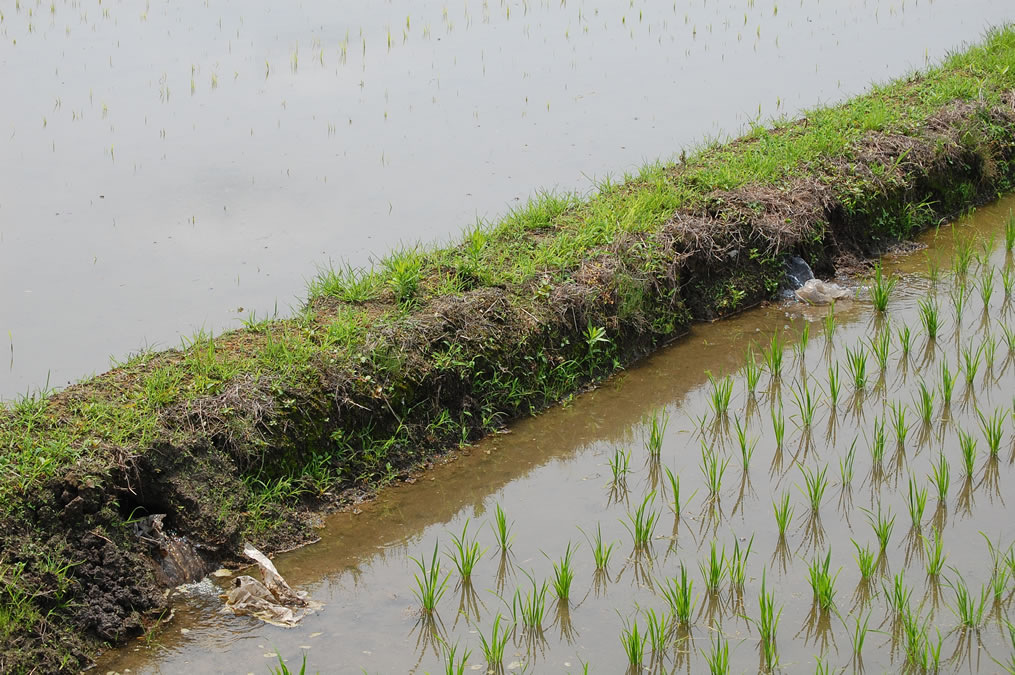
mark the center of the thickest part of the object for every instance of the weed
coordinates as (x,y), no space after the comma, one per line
(1009,231)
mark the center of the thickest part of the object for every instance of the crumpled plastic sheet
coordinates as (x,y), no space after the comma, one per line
(818,292)
(271,599)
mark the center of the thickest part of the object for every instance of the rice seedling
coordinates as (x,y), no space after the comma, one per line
(968,609)
(806,404)
(719,397)
(778,426)
(657,628)
(493,648)
(783,513)
(429,585)
(866,560)
(532,607)
(1009,664)
(929,318)
(858,635)
(714,571)
(620,465)
(821,666)
(745,444)
(768,626)
(899,422)
(935,555)
(713,469)
(999,583)
(718,658)
(881,288)
(878,443)
(882,525)
(834,385)
(634,644)
(959,294)
(947,384)
(773,356)
(905,340)
(989,347)
(815,483)
(678,594)
(898,595)
(856,362)
(940,477)
(465,553)
(805,337)
(933,270)
(1009,231)
(674,482)
(917,503)
(736,565)
(964,249)
(986,287)
(971,362)
(993,430)
(643,523)
(1009,336)
(846,464)
(880,345)
(925,403)
(823,581)
(829,322)
(502,529)
(563,575)
(601,551)
(657,428)
(752,371)
(967,444)
(1007,282)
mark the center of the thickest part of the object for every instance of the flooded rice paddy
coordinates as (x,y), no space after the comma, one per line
(172,166)
(843,471)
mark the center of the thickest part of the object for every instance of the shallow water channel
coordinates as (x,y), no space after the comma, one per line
(172,166)
(552,476)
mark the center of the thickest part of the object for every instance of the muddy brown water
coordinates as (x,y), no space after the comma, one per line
(551,475)
(174,166)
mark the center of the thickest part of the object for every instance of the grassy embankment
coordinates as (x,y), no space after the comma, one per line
(234,436)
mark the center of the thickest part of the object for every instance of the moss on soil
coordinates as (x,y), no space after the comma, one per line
(243,436)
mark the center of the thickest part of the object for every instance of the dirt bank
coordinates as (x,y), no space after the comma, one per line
(243,436)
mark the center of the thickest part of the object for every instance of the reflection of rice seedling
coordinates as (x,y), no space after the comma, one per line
(940,477)
(822,581)
(934,548)
(905,340)
(778,426)
(736,566)
(968,609)
(773,356)
(746,445)
(719,398)
(993,430)
(834,384)
(925,403)
(633,643)
(563,575)
(947,384)
(714,570)
(752,371)
(882,525)
(719,658)
(856,361)
(429,585)
(846,464)
(465,553)
(899,421)
(917,503)
(881,288)
(968,446)
(678,595)
(815,484)
(493,648)
(502,529)
(783,513)
(643,523)
(656,430)
(866,560)
(768,625)
(713,469)
(971,362)
(929,318)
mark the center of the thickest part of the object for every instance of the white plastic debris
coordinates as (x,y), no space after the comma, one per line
(272,600)
(818,292)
